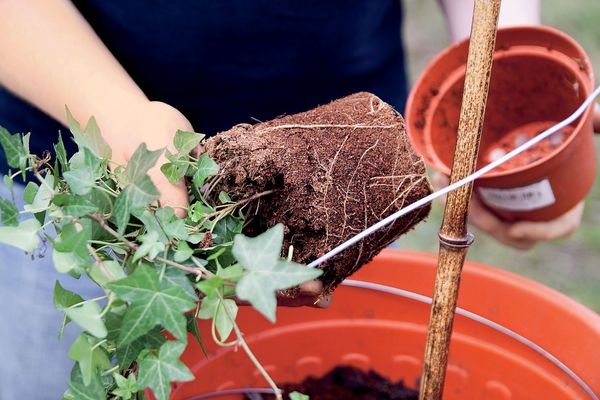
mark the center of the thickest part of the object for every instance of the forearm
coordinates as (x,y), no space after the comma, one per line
(459,14)
(51,57)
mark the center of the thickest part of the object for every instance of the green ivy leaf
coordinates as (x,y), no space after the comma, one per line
(126,387)
(298,396)
(225,315)
(182,252)
(61,154)
(260,286)
(139,164)
(267,272)
(150,247)
(42,198)
(78,390)
(158,371)
(192,327)
(227,228)
(14,150)
(185,141)
(88,316)
(174,171)
(84,169)
(10,214)
(149,305)
(135,196)
(224,198)
(75,206)
(80,181)
(177,278)
(260,251)
(74,237)
(90,137)
(109,267)
(233,273)
(172,227)
(65,262)
(24,236)
(8,183)
(90,357)
(206,168)
(85,314)
(126,354)
(64,298)
(30,191)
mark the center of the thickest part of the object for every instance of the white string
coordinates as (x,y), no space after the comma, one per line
(428,199)
(482,320)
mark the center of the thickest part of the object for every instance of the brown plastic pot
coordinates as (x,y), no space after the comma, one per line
(539,77)
(374,328)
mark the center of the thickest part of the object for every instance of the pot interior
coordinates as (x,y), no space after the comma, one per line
(524,89)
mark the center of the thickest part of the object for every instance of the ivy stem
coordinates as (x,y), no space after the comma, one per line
(100,263)
(44,183)
(85,301)
(230,207)
(106,190)
(100,343)
(252,357)
(110,371)
(133,246)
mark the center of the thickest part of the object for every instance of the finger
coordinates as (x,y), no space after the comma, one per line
(484,220)
(324,302)
(311,288)
(556,229)
(440,181)
(301,301)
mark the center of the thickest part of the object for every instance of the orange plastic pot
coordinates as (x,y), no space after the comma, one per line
(539,77)
(384,331)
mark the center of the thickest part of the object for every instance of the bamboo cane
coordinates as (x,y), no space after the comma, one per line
(454,238)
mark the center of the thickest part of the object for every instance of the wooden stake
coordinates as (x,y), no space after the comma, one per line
(454,238)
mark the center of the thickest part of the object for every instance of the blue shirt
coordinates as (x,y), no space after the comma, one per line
(231,61)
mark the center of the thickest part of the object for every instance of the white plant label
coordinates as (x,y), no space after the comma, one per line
(525,198)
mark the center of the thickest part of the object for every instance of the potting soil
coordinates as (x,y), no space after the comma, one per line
(346,383)
(336,170)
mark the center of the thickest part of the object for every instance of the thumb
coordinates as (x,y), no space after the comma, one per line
(556,229)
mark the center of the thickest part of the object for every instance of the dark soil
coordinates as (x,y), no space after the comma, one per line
(336,170)
(349,383)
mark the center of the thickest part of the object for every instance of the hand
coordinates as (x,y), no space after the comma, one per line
(154,123)
(522,235)
(310,294)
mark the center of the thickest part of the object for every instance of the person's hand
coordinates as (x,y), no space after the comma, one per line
(310,294)
(154,123)
(522,235)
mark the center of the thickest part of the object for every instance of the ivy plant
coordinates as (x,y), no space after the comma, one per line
(159,273)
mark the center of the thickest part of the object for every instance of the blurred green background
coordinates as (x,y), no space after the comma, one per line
(571,265)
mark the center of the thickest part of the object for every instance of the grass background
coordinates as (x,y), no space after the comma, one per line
(571,265)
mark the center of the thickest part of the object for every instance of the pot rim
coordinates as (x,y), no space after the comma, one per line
(519,51)
(586,78)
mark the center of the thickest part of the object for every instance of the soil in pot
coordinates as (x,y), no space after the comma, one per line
(346,382)
(334,170)
(518,137)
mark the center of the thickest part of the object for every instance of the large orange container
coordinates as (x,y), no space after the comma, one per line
(373,329)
